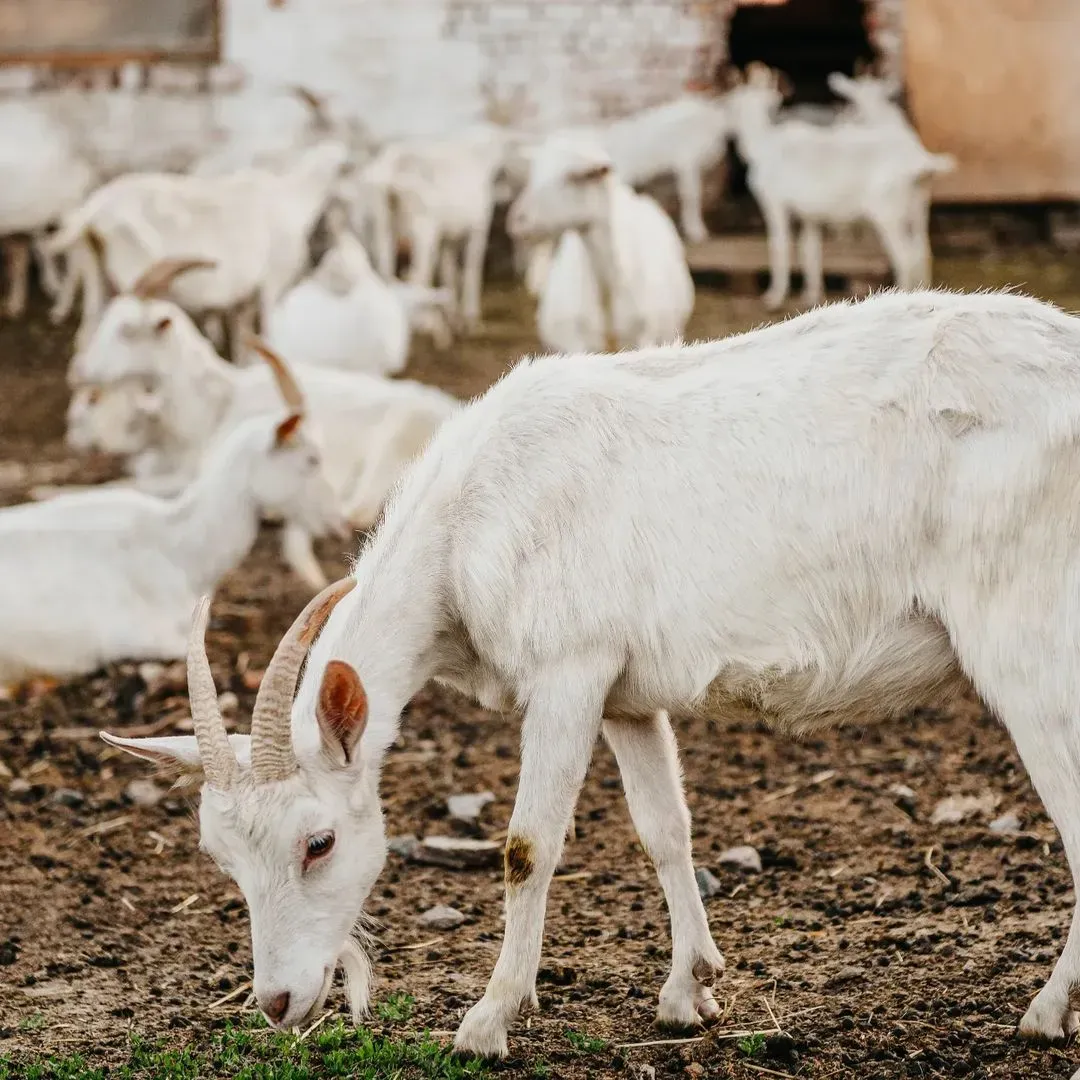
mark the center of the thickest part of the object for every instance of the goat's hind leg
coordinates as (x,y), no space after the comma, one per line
(1035,697)
(649,762)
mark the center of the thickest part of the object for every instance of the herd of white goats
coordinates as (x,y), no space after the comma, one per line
(228,243)
(830,517)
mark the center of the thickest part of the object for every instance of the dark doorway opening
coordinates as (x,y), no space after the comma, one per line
(805,39)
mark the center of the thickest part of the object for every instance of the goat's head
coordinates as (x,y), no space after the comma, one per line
(754,97)
(568,188)
(116,417)
(137,329)
(871,96)
(297,826)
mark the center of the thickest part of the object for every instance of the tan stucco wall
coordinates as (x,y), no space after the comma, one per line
(997,83)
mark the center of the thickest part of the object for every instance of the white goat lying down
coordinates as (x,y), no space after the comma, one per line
(618,276)
(344,315)
(827,519)
(834,175)
(99,576)
(149,385)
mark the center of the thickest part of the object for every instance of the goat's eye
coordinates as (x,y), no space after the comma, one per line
(319,845)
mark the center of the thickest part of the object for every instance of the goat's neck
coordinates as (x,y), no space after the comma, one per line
(388,628)
(599,239)
(213,524)
(306,188)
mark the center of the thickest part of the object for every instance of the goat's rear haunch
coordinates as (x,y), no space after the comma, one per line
(838,517)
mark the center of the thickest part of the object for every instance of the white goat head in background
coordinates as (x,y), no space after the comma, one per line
(299,829)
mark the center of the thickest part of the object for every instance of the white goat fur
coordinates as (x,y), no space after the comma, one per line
(344,315)
(618,275)
(826,519)
(112,575)
(162,393)
(834,175)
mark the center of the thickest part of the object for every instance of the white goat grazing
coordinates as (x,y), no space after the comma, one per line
(151,386)
(833,175)
(344,315)
(253,225)
(437,194)
(825,520)
(99,576)
(618,276)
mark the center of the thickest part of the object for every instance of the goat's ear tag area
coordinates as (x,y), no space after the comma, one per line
(162,325)
(342,711)
(286,430)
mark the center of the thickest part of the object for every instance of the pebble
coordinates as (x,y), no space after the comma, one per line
(904,797)
(144,793)
(1007,823)
(457,853)
(694,1069)
(402,845)
(442,917)
(19,788)
(68,797)
(742,858)
(467,807)
(643,1072)
(957,808)
(708,884)
(846,975)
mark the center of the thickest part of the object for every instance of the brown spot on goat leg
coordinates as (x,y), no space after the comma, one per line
(518,860)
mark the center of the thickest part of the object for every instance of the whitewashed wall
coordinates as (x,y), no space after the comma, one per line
(425,66)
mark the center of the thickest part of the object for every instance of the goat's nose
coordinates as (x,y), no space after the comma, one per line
(276,1007)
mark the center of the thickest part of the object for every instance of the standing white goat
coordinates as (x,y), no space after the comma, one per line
(253,225)
(834,175)
(824,520)
(618,276)
(344,315)
(99,576)
(150,385)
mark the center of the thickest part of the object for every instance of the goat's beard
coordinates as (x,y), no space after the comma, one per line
(356,968)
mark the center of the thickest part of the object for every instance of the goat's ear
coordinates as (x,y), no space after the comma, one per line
(589,174)
(162,325)
(286,430)
(182,750)
(840,84)
(342,711)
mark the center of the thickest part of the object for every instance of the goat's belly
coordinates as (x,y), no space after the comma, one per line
(886,674)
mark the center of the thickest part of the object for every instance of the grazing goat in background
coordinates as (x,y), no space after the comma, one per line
(839,517)
(618,276)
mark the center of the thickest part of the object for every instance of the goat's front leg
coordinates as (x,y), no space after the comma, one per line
(562,720)
(17,250)
(688,185)
(473,276)
(778,232)
(648,759)
(299,554)
(810,257)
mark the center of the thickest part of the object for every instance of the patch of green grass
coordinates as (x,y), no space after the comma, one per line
(541,1069)
(752,1045)
(781,921)
(34,1022)
(243,1053)
(395,1007)
(584,1044)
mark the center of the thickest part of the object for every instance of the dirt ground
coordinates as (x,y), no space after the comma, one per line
(873,944)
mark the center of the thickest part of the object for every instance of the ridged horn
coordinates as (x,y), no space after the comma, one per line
(218,760)
(155,280)
(290,389)
(272,756)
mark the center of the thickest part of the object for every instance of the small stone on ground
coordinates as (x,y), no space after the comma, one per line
(743,857)
(144,793)
(468,807)
(457,853)
(1007,823)
(708,883)
(958,808)
(442,917)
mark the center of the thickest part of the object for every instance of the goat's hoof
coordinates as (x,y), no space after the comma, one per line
(773,301)
(1049,1018)
(697,235)
(686,1000)
(482,1032)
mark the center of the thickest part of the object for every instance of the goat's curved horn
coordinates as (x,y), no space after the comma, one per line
(316,104)
(218,760)
(272,756)
(155,280)
(286,382)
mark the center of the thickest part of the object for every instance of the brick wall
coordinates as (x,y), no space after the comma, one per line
(422,66)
